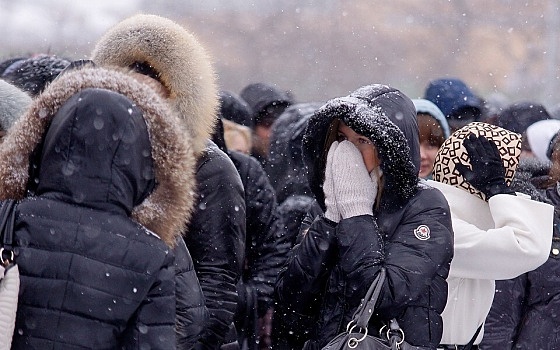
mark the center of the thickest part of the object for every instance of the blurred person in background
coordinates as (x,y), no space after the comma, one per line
(158,49)
(434,130)
(288,176)
(524,311)
(267,102)
(456,100)
(237,120)
(33,74)
(265,246)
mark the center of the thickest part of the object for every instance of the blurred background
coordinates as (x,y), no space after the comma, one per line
(505,50)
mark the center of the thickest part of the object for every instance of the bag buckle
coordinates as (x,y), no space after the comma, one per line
(8,260)
(353,341)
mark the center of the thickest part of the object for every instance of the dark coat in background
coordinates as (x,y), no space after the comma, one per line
(216,233)
(518,116)
(33,74)
(327,275)
(524,311)
(266,248)
(104,191)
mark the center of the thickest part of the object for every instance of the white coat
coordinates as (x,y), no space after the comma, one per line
(499,239)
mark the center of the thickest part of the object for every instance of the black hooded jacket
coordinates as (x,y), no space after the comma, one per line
(216,234)
(97,267)
(524,308)
(331,269)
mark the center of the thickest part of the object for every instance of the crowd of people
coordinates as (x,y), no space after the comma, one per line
(158,211)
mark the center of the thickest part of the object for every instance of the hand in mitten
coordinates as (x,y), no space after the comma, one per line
(331,212)
(488,172)
(354,190)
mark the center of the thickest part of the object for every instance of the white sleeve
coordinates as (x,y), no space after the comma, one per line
(519,242)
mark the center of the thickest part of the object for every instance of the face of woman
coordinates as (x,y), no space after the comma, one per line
(428,154)
(362,143)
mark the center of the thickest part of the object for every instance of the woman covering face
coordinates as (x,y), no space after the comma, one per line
(363,155)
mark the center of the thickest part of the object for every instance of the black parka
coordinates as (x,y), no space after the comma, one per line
(524,311)
(215,236)
(330,271)
(97,262)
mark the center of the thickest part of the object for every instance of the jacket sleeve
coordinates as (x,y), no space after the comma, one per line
(520,241)
(410,261)
(216,241)
(302,280)
(269,245)
(192,313)
(154,324)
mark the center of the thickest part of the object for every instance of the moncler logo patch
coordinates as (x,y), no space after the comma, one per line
(422,232)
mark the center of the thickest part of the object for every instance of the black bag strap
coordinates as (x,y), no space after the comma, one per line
(7,221)
(365,310)
(471,342)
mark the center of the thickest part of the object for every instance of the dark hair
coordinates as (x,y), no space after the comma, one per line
(146,69)
(430,130)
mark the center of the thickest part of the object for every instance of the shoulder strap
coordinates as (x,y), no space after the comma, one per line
(471,342)
(365,310)
(7,221)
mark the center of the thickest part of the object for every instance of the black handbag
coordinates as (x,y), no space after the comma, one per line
(391,336)
(9,275)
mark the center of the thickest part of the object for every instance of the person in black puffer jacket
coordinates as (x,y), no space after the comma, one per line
(266,245)
(524,308)
(161,49)
(353,146)
(104,180)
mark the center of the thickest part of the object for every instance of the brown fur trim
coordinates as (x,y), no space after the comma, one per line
(182,63)
(168,208)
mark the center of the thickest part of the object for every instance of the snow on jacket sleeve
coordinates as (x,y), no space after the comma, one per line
(302,280)
(269,246)
(192,313)
(216,240)
(520,241)
(154,324)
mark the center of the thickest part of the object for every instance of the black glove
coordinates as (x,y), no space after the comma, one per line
(488,173)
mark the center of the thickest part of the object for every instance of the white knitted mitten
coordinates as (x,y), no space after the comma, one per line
(328,187)
(354,189)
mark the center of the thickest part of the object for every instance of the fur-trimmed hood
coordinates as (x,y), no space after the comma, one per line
(181,63)
(369,111)
(167,209)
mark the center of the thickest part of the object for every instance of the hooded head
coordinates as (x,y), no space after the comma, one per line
(32,75)
(455,100)
(102,139)
(540,136)
(285,166)
(165,51)
(452,150)
(427,107)
(13,103)
(262,97)
(234,108)
(384,115)
(518,116)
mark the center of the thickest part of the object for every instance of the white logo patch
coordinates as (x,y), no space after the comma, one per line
(422,232)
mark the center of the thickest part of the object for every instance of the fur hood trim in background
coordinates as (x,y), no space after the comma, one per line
(13,103)
(168,208)
(182,64)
